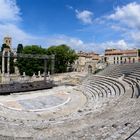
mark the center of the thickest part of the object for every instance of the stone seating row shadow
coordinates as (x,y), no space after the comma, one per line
(117,70)
(102,87)
(131,75)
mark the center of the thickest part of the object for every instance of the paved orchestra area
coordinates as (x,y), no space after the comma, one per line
(36,100)
(105,106)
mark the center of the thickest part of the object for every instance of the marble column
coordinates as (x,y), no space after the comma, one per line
(8,63)
(3,62)
(39,74)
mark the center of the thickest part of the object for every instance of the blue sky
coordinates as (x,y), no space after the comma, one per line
(89,25)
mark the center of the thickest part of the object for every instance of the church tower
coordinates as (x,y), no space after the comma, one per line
(8,42)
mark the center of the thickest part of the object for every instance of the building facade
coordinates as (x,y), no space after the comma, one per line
(114,56)
(86,62)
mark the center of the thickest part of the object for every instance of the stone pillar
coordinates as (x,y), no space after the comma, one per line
(8,63)
(39,74)
(24,74)
(33,77)
(3,62)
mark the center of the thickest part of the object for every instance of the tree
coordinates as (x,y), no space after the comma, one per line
(139,52)
(31,65)
(64,57)
(12,63)
(19,48)
(4,46)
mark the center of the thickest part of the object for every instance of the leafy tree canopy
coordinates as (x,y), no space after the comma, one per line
(31,65)
(64,56)
(19,48)
(4,46)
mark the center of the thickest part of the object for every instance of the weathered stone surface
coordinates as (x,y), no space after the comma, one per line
(84,117)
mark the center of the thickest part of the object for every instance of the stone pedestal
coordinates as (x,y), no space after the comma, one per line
(39,74)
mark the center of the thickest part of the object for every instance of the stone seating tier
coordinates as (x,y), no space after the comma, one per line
(117,70)
(99,86)
(98,83)
(106,113)
(110,80)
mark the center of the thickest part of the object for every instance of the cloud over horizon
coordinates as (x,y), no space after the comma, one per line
(128,15)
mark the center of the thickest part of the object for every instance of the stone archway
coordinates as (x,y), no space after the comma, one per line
(89,69)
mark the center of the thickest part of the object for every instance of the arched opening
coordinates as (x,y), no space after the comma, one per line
(133,60)
(125,60)
(89,69)
(129,60)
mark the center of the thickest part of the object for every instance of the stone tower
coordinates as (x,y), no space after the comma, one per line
(8,41)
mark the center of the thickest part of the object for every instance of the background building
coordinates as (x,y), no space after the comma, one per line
(86,62)
(113,56)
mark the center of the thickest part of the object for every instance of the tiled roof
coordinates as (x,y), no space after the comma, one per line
(121,52)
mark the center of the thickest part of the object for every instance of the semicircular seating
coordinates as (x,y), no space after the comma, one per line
(118,70)
(102,87)
(130,73)
(106,86)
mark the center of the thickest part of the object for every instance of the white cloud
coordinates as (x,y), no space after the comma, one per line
(120,44)
(85,16)
(78,44)
(75,43)
(69,7)
(9,11)
(135,36)
(9,21)
(118,28)
(128,15)
(100,47)
(17,34)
